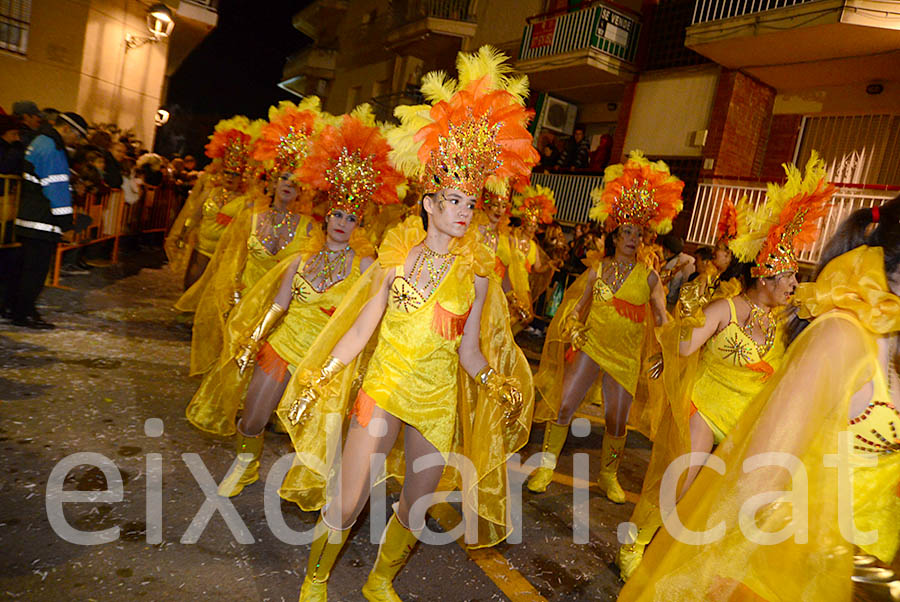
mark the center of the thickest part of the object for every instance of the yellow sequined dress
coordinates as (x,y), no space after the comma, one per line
(616,326)
(412,371)
(779,467)
(240,261)
(221,394)
(182,236)
(219,209)
(731,371)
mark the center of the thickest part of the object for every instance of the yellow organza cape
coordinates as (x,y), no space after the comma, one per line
(185,225)
(798,416)
(481,431)
(221,394)
(647,407)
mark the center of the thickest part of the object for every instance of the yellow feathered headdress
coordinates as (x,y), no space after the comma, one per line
(284,142)
(474,128)
(535,204)
(638,192)
(787,222)
(231,142)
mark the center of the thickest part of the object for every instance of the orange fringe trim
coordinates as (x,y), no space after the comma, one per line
(569,355)
(363,408)
(448,324)
(764,367)
(271,363)
(635,313)
(328,312)
(223,220)
(499,268)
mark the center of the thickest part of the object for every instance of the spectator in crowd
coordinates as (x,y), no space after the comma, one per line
(31,118)
(45,212)
(112,172)
(190,166)
(677,266)
(600,156)
(150,166)
(12,151)
(577,150)
(132,185)
(50,114)
(704,262)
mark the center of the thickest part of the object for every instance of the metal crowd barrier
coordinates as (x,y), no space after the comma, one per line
(111,218)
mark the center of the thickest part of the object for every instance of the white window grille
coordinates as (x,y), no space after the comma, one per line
(15,20)
(858,149)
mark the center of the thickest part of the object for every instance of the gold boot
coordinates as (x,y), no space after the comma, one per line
(396,545)
(323,553)
(554,439)
(629,556)
(610,458)
(246,469)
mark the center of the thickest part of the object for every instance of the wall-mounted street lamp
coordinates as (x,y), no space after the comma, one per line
(160,23)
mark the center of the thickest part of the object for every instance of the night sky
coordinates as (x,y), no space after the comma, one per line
(235,70)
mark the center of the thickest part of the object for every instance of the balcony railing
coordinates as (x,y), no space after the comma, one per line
(711,195)
(572,193)
(383,106)
(212,5)
(454,10)
(713,10)
(600,27)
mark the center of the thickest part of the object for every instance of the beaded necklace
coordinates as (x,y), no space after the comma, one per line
(274,240)
(425,262)
(326,268)
(620,273)
(768,327)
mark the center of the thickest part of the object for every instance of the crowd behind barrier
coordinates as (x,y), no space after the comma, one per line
(111,218)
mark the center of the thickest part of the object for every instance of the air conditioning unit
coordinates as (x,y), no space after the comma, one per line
(556,115)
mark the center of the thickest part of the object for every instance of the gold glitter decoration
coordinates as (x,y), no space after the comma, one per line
(237,149)
(353,181)
(465,156)
(636,205)
(291,150)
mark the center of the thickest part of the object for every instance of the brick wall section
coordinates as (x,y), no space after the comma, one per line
(618,151)
(739,125)
(780,149)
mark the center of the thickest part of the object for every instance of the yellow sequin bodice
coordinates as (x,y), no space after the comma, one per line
(413,371)
(308,313)
(877,429)
(260,260)
(616,325)
(211,228)
(733,368)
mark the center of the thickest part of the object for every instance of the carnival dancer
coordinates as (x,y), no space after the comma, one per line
(445,368)
(272,327)
(270,227)
(533,207)
(492,221)
(718,356)
(215,199)
(786,529)
(606,320)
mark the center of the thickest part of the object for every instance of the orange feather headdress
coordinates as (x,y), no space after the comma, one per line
(727,227)
(787,222)
(284,142)
(349,162)
(535,204)
(638,192)
(474,128)
(231,142)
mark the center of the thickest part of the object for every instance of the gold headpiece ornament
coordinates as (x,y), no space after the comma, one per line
(474,128)
(350,163)
(638,192)
(284,142)
(535,204)
(231,142)
(787,222)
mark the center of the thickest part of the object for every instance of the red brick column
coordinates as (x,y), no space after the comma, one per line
(616,155)
(782,141)
(738,126)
